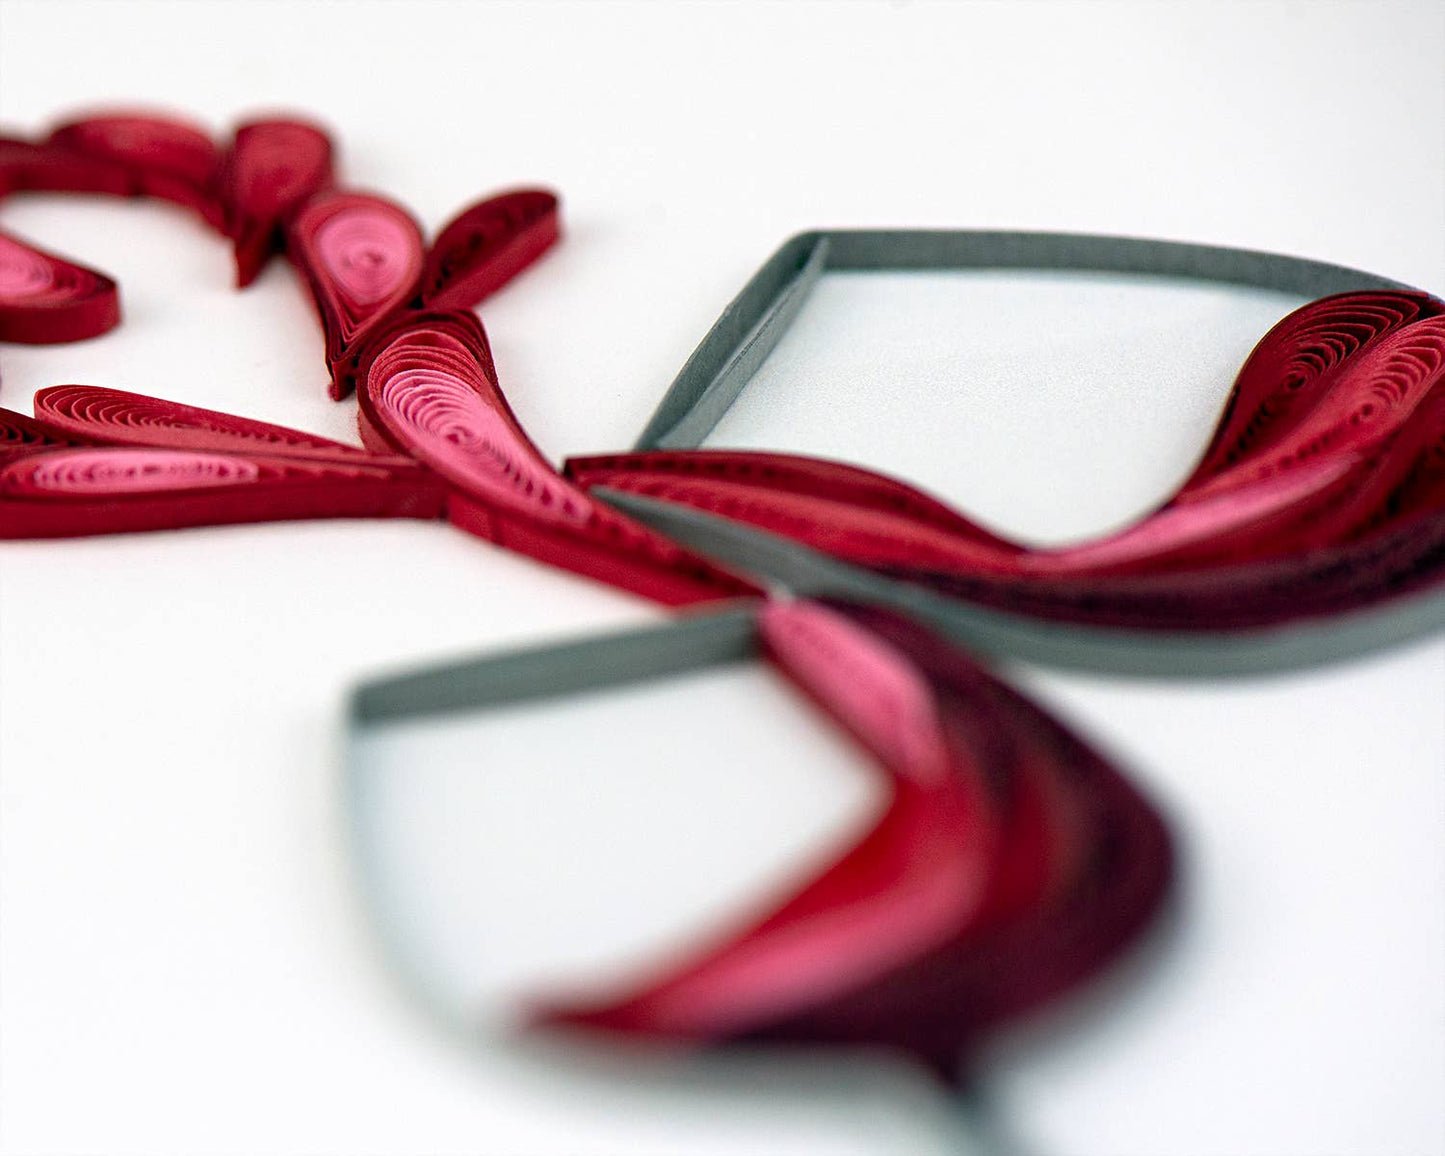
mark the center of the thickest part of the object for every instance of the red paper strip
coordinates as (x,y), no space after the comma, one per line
(363,258)
(101,461)
(1318,493)
(368,270)
(487,245)
(21,436)
(115,417)
(47,168)
(367,264)
(272,169)
(167,158)
(45,300)
(431,392)
(1012,862)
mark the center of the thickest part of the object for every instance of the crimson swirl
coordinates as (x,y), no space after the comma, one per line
(90,472)
(1320,491)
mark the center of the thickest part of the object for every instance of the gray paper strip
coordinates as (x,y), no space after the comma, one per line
(808,573)
(688,642)
(753,323)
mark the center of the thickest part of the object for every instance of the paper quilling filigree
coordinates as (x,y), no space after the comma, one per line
(1012,861)
(379,289)
(1321,493)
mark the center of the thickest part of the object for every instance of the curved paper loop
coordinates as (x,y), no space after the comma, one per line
(754,321)
(46,300)
(875,904)
(1082,866)
(363,256)
(166,157)
(272,168)
(97,461)
(21,436)
(431,392)
(109,472)
(118,418)
(28,167)
(487,245)
(1009,864)
(88,490)
(1294,364)
(983,892)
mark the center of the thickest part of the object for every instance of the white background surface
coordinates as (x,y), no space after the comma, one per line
(184,964)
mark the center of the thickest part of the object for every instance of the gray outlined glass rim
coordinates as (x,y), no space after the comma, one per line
(757,318)
(690,642)
(986,632)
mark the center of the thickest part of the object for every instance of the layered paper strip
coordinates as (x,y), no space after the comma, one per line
(1011,863)
(271,189)
(487,245)
(362,256)
(246,192)
(435,413)
(100,461)
(1008,864)
(1321,491)
(368,265)
(272,169)
(161,156)
(45,299)
(431,392)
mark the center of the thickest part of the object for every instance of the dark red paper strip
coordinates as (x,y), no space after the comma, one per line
(167,158)
(363,258)
(431,392)
(487,245)
(1316,494)
(97,461)
(271,170)
(1011,863)
(45,300)
(118,418)
(30,167)
(21,436)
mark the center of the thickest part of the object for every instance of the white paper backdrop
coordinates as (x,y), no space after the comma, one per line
(184,964)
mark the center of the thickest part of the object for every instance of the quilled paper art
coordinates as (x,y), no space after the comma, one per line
(97,461)
(431,392)
(444,442)
(1011,862)
(1321,493)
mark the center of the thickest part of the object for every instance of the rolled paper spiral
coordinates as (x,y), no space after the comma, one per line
(1295,364)
(1010,864)
(113,472)
(97,461)
(271,170)
(363,258)
(44,299)
(21,436)
(1315,495)
(115,417)
(487,245)
(120,155)
(59,493)
(430,391)
(167,158)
